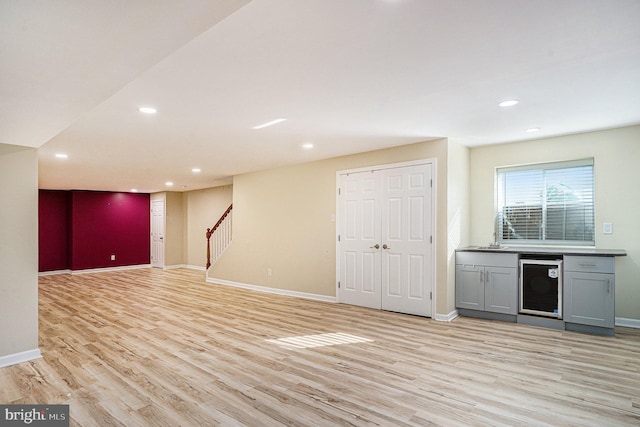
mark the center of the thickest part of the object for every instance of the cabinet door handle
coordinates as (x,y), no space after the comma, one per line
(487,277)
(481,275)
(609,286)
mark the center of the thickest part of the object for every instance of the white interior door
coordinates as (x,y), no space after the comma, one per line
(406,239)
(157,233)
(385,257)
(360,272)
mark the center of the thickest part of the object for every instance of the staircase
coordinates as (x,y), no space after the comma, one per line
(219,237)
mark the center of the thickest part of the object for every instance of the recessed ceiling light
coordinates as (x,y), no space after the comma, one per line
(168,184)
(307,146)
(508,103)
(532,130)
(147,110)
(267,124)
(195,170)
(134,190)
(62,156)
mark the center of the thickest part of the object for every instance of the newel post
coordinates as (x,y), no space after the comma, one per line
(208,248)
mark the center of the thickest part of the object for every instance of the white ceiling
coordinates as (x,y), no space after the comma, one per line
(349,76)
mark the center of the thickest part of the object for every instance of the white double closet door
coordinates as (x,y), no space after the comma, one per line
(385,238)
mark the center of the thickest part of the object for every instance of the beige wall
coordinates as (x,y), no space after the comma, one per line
(282,222)
(616,156)
(202,209)
(174,251)
(457,212)
(18,249)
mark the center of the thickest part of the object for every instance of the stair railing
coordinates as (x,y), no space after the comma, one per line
(219,237)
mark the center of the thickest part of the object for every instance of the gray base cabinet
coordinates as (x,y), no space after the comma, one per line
(589,289)
(487,282)
(487,286)
(469,287)
(501,290)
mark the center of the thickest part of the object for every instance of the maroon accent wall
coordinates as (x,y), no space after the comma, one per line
(105,224)
(80,230)
(53,230)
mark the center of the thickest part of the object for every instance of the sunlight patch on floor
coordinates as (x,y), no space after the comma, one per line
(320,340)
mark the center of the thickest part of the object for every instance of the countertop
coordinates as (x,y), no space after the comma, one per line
(546,250)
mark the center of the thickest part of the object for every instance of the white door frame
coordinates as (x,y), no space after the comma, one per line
(434,198)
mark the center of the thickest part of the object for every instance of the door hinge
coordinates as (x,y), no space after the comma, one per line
(338,237)
(430,295)
(431,183)
(338,285)
(430,239)
(339,191)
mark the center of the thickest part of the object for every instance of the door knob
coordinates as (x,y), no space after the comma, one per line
(385,246)
(377,246)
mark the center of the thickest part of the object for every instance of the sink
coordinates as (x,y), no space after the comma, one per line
(492,247)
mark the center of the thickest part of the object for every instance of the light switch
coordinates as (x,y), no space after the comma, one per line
(607,228)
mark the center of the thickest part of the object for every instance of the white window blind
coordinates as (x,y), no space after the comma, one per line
(549,203)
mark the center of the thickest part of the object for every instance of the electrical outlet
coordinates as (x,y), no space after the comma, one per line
(269,272)
(113,257)
(607,228)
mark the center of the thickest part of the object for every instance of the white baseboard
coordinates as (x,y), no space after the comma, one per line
(276,291)
(446,317)
(190,267)
(24,356)
(109,269)
(53,273)
(628,323)
(94,270)
(126,267)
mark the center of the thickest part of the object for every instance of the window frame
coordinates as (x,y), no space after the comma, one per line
(499,222)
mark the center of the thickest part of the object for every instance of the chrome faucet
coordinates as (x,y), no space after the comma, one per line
(496,243)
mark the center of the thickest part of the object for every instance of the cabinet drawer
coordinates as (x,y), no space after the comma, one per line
(483,258)
(590,264)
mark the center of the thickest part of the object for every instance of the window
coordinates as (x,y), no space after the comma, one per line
(549,203)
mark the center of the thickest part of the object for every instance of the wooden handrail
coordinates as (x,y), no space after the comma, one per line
(210,232)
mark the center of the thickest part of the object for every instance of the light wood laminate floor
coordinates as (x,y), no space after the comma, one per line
(163,348)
